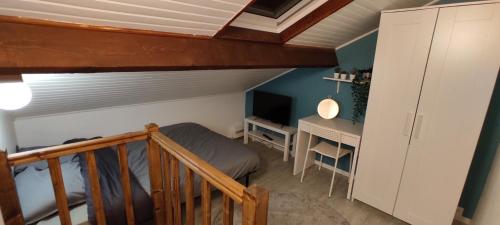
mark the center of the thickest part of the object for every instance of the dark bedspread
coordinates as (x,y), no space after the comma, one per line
(108,169)
(231,157)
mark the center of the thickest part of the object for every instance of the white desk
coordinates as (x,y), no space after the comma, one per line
(319,127)
(277,142)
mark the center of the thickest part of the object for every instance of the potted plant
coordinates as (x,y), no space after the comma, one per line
(367,74)
(336,75)
(343,75)
(353,74)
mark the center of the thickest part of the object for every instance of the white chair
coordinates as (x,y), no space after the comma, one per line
(325,149)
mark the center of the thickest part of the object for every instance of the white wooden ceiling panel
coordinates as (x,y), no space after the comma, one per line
(355,19)
(177,16)
(76,9)
(58,93)
(148,11)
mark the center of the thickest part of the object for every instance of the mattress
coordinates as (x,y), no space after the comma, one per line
(229,156)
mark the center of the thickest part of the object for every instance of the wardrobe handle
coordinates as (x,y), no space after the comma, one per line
(418,125)
(407,128)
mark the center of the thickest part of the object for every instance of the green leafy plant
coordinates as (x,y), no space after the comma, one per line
(360,90)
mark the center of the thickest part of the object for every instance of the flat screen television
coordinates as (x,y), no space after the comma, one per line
(273,107)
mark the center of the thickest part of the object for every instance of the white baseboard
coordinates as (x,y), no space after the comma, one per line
(459,216)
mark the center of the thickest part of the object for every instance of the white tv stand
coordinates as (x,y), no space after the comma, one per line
(277,142)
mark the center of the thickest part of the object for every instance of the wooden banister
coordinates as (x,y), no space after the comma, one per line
(189,193)
(155,175)
(254,199)
(125,180)
(164,157)
(255,204)
(9,201)
(206,203)
(228,210)
(214,176)
(95,188)
(167,181)
(59,190)
(176,190)
(84,146)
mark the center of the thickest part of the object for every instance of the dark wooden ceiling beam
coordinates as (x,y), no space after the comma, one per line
(11,78)
(312,18)
(320,13)
(244,34)
(227,25)
(35,48)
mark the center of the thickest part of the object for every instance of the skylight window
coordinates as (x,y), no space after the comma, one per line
(271,8)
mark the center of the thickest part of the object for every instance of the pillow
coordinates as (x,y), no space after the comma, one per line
(36,193)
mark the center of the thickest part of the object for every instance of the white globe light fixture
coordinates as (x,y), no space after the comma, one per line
(14,95)
(328,108)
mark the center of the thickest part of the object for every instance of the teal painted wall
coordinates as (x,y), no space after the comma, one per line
(483,157)
(307,87)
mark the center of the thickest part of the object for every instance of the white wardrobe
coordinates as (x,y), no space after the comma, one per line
(434,73)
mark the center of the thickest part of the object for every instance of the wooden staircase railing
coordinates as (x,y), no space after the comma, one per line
(165,157)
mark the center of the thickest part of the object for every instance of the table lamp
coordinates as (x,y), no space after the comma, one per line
(328,108)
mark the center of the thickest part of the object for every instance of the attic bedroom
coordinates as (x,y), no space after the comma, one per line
(253,112)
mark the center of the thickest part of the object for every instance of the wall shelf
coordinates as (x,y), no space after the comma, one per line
(338,81)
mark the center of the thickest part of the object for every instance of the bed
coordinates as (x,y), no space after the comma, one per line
(229,156)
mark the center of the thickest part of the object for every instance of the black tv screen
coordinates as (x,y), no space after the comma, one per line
(273,107)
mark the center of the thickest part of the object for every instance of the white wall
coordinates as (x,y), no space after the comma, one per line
(7,133)
(488,209)
(218,113)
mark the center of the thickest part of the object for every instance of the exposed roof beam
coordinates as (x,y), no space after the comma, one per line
(245,34)
(8,78)
(320,13)
(226,26)
(312,18)
(35,48)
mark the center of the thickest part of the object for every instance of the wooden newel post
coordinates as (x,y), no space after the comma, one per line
(255,206)
(155,175)
(9,201)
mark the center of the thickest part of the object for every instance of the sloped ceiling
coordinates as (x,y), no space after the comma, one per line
(58,93)
(353,20)
(177,16)
(207,17)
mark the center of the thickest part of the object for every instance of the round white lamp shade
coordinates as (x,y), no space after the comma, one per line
(328,108)
(14,95)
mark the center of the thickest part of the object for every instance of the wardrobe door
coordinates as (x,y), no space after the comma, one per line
(402,49)
(463,66)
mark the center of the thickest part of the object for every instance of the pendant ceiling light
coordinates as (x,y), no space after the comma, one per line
(14,95)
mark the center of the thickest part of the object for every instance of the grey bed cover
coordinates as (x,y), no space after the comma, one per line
(229,156)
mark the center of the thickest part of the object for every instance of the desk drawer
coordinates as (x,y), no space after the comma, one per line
(324,133)
(349,140)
